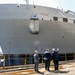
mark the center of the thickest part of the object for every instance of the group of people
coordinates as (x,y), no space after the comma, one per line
(48,57)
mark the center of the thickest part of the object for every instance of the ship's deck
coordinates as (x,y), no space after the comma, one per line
(67,68)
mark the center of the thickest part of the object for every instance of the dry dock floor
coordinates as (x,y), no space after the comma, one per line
(67,68)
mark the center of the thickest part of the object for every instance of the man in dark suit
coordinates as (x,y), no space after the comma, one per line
(47,58)
(55,57)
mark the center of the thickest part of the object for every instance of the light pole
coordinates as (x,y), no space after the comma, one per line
(9,53)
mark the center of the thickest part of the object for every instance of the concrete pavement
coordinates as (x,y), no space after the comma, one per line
(64,69)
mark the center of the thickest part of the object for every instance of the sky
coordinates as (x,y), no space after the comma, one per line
(61,4)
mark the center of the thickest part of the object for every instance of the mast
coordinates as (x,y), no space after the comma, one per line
(27,1)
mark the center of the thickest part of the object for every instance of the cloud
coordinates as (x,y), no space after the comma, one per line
(12,1)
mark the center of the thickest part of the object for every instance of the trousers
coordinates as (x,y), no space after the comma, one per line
(56,64)
(36,66)
(47,64)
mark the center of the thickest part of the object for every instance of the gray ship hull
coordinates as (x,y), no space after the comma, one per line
(16,38)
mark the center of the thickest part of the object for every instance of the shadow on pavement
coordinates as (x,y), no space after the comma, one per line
(59,71)
(40,72)
(63,71)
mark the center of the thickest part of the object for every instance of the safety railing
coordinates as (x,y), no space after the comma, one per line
(24,59)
